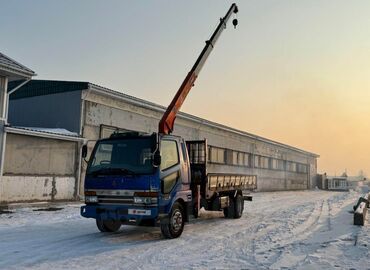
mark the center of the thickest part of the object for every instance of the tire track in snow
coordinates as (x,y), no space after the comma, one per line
(296,241)
(281,236)
(263,229)
(299,250)
(319,218)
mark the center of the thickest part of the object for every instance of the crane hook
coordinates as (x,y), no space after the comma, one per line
(235,23)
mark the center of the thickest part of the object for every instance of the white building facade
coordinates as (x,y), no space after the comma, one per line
(95,112)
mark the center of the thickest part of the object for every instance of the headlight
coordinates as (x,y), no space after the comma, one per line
(145,200)
(91,199)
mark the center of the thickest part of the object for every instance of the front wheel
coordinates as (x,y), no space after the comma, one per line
(174,226)
(108,225)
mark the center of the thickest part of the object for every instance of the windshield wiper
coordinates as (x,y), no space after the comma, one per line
(112,171)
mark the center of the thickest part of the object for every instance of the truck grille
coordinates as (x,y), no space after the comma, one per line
(109,199)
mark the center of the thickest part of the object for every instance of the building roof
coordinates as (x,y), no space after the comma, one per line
(46,87)
(51,133)
(13,69)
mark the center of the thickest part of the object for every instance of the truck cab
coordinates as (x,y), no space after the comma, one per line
(139,179)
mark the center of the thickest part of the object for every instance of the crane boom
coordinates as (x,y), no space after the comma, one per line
(168,119)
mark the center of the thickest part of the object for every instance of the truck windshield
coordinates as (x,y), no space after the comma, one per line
(122,156)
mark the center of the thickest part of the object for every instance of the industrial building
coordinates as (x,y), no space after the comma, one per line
(36,164)
(94,112)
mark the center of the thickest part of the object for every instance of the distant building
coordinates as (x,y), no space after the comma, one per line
(343,182)
(337,183)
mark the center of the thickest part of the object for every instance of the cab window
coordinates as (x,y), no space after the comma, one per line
(169,153)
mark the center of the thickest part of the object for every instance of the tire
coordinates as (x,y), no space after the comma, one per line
(230,210)
(195,211)
(174,226)
(108,225)
(239,206)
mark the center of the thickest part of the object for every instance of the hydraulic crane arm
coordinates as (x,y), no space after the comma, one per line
(167,122)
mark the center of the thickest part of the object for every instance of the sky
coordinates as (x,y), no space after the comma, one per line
(297,72)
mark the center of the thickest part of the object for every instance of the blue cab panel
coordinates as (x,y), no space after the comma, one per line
(116,182)
(119,212)
(123,212)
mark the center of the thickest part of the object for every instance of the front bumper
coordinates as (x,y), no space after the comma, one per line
(126,213)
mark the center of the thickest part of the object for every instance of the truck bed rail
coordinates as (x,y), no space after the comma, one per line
(223,182)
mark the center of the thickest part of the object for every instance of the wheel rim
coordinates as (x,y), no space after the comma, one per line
(176,221)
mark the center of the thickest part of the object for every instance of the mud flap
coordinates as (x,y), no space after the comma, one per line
(247,198)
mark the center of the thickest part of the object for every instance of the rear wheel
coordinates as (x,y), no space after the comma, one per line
(108,225)
(195,211)
(175,225)
(230,210)
(239,206)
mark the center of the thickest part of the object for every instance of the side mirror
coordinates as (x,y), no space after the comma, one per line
(157,159)
(84,151)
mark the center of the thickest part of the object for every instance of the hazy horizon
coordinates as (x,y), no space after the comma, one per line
(293,72)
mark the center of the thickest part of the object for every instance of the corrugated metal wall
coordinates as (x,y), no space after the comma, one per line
(61,110)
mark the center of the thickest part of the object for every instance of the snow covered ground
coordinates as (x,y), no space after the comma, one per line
(278,230)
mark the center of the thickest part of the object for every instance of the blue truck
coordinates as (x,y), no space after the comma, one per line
(160,179)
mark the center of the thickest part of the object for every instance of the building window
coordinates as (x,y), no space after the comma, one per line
(274,164)
(291,166)
(280,165)
(256,161)
(235,158)
(217,155)
(247,161)
(240,159)
(302,168)
(264,162)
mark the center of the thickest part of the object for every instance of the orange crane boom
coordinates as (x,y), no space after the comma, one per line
(168,119)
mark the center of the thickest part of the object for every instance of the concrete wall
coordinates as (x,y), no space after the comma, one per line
(32,155)
(60,110)
(109,111)
(38,168)
(21,188)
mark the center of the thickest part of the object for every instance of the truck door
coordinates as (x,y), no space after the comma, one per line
(170,168)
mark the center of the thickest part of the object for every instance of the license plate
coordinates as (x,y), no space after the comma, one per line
(139,212)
